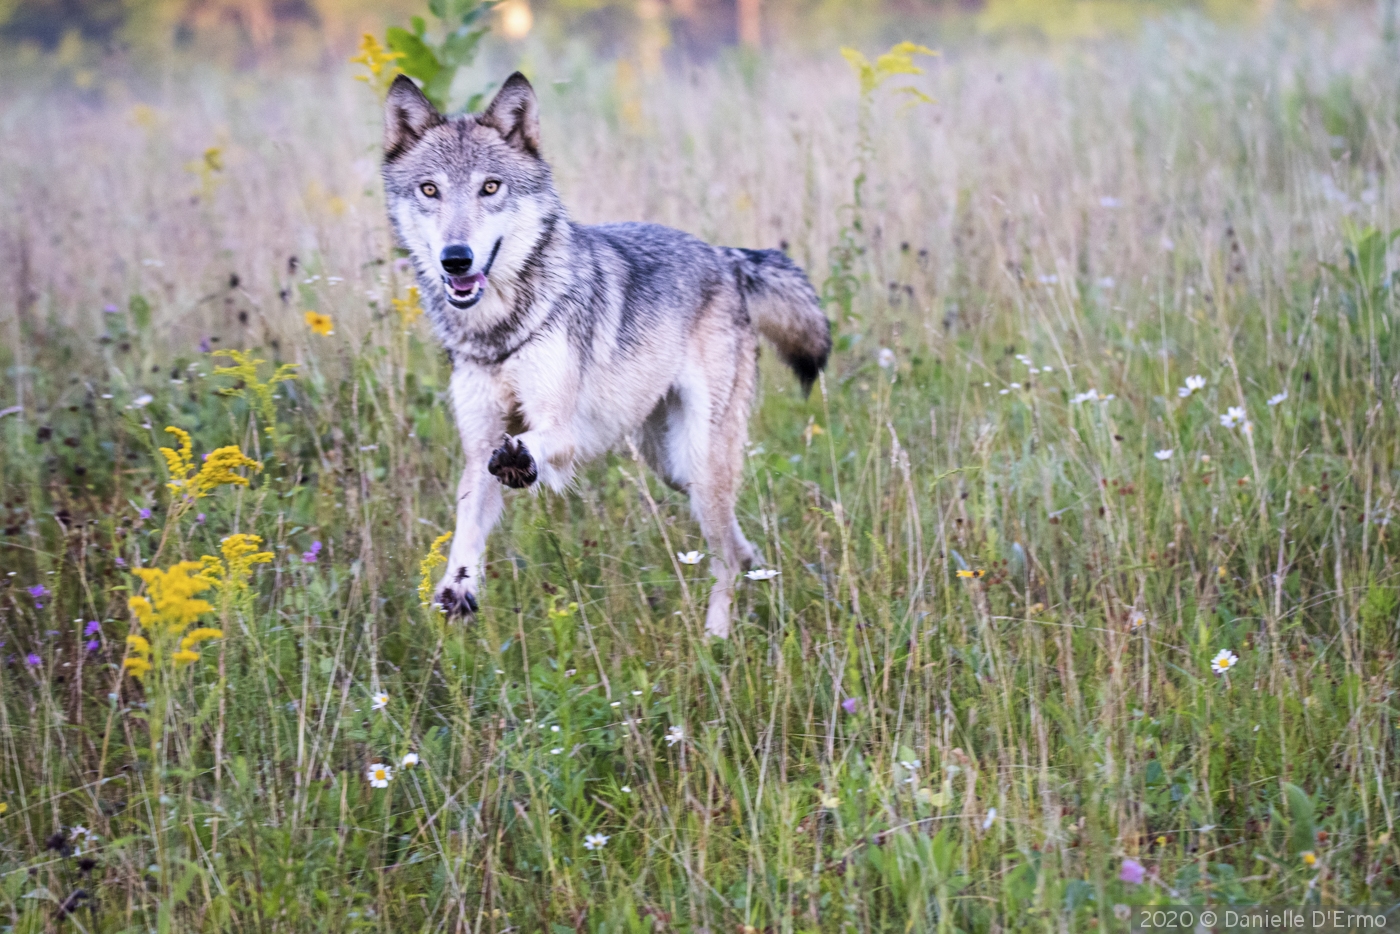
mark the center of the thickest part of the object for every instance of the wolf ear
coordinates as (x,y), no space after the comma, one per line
(515,114)
(407,116)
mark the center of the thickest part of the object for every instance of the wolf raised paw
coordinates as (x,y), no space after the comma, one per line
(455,595)
(512,464)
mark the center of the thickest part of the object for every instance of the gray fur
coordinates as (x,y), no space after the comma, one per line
(582,335)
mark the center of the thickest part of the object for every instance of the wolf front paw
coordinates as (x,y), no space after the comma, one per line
(455,595)
(512,464)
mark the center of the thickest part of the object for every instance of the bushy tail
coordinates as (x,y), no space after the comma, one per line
(784,308)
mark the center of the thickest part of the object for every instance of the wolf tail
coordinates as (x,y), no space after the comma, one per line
(784,307)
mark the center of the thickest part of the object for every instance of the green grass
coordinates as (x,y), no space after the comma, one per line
(1124,214)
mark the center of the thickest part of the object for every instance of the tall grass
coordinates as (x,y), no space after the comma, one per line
(979,694)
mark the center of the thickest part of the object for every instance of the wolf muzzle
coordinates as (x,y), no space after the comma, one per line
(464,287)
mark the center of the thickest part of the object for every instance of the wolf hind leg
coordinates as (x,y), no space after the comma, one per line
(705,450)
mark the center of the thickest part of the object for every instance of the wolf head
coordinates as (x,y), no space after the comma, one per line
(467,195)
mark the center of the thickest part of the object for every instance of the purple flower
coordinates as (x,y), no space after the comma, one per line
(401,264)
(204,345)
(145,514)
(200,518)
(37,591)
(33,660)
(310,556)
(51,633)
(94,645)
(1132,872)
(850,705)
(121,562)
(92,628)
(110,308)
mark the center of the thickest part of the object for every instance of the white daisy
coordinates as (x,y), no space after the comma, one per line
(886,358)
(1275,400)
(1165,455)
(1136,619)
(674,735)
(1091,395)
(381,700)
(1193,384)
(761,574)
(626,789)
(380,775)
(595,841)
(1233,417)
(1224,660)
(409,760)
(689,557)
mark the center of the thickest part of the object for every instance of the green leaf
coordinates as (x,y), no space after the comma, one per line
(140,311)
(418,60)
(1300,815)
(459,48)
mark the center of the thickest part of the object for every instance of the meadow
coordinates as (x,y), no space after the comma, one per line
(1086,594)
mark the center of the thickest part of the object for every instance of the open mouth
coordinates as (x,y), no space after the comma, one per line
(466,291)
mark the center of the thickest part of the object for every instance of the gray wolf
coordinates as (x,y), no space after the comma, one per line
(567,339)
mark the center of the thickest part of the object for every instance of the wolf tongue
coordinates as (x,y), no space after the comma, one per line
(466,283)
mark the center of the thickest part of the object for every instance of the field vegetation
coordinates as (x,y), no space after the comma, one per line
(1086,593)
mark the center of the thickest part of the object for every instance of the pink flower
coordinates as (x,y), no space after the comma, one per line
(1132,872)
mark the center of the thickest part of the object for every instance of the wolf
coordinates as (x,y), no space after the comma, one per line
(566,339)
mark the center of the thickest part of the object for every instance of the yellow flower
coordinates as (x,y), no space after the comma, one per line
(137,666)
(1310,858)
(185,657)
(380,62)
(974,574)
(216,471)
(320,323)
(4,807)
(257,392)
(172,601)
(410,307)
(432,560)
(138,644)
(195,636)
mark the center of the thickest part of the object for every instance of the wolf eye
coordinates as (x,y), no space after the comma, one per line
(491,187)
(429,189)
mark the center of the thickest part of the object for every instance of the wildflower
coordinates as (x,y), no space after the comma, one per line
(409,760)
(143,400)
(1193,384)
(1165,454)
(595,841)
(312,554)
(1233,417)
(409,308)
(1275,400)
(761,574)
(380,701)
(850,705)
(557,750)
(92,628)
(33,660)
(1136,619)
(93,645)
(1090,395)
(689,557)
(1309,857)
(216,470)
(380,775)
(626,789)
(829,801)
(1224,660)
(674,735)
(185,657)
(990,820)
(974,574)
(432,560)
(1132,872)
(380,62)
(886,358)
(319,323)
(38,592)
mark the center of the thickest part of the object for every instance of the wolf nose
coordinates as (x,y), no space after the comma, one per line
(456,259)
